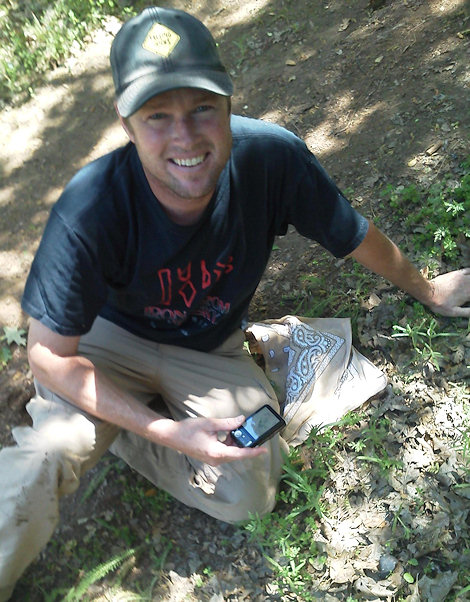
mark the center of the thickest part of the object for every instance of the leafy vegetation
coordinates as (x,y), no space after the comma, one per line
(439,221)
(438,217)
(287,536)
(11,336)
(109,547)
(39,35)
(423,332)
(76,593)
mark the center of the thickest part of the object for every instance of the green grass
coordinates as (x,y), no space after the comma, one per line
(430,345)
(371,446)
(438,217)
(38,36)
(286,536)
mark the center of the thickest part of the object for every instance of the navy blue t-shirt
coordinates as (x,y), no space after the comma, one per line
(109,248)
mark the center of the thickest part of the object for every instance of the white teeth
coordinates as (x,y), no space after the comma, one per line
(189,162)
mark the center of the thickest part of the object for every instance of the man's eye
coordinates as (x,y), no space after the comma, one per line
(157,116)
(203,108)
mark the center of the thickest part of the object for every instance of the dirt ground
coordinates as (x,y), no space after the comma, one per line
(377,89)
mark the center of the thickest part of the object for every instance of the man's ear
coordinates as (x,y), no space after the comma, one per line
(125,124)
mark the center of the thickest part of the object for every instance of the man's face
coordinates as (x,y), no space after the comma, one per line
(184,140)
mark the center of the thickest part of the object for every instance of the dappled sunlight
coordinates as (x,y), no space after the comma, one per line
(320,140)
(22,128)
(14,263)
(6,194)
(439,7)
(272,116)
(68,122)
(10,311)
(112,137)
(332,96)
(241,12)
(325,138)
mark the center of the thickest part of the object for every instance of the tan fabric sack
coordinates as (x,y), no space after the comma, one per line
(316,372)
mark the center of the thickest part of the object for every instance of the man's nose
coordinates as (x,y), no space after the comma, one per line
(184,129)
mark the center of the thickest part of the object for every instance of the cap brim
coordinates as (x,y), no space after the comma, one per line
(148,86)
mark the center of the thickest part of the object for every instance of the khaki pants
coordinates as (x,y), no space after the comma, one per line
(63,443)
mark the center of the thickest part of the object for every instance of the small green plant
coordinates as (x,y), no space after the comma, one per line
(438,217)
(352,287)
(11,336)
(242,47)
(139,498)
(398,521)
(87,559)
(408,577)
(97,480)
(372,441)
(422,330)
(208,571)
(96,574)
(91,577)
(464,590)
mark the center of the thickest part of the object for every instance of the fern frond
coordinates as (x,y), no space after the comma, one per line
(97,573)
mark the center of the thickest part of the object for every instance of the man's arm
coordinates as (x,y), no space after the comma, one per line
(54,362)
(445,294)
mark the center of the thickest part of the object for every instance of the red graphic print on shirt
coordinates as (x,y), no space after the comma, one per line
(182,284)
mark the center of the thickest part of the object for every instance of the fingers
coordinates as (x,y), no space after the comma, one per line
(229,450)
(200,438)
(460,312)
(230,453)
(452,293)
(225,424)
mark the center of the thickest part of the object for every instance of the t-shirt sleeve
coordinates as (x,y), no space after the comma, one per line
(337,226)
(65,288)
(315,206)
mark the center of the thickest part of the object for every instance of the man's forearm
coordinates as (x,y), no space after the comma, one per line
(54,361)
(76,379)
(379,254)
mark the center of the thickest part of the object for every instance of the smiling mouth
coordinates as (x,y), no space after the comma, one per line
(192,162)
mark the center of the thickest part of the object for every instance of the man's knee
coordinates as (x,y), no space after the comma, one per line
(255,500)
(63,443)
(243,491)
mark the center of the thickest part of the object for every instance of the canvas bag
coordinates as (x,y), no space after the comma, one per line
(316,372)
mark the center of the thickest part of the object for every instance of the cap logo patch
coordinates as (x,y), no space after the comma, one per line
(161,40)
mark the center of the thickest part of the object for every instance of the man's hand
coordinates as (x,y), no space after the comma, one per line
(200,438)
(450,292)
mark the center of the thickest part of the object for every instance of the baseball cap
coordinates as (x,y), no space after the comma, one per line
(163,49)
